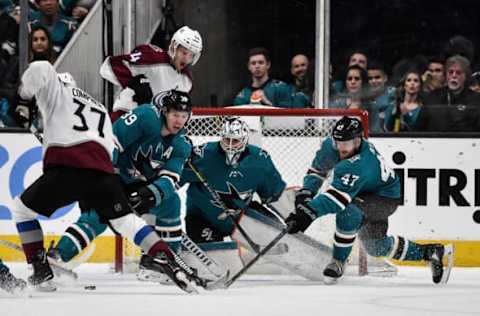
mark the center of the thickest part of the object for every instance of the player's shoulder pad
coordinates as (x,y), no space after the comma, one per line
(42,66)
(258,152)
(147,117)
(350,165)
(205,149)
(182,145)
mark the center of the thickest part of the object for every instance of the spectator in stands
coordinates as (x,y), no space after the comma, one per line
(403,113)
(434,77)
(77,9)
(454,107)
(457,71)
(300,80)
(60,26)
(379,95)
(263,89)
(8,64)
(352,97)
(40,45)
(357,57)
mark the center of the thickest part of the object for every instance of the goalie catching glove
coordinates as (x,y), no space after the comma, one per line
(141,86)
(301,219)
(144,198)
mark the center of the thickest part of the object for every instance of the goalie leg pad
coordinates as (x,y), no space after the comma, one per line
(305,256)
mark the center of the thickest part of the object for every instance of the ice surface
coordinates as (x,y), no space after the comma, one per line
(409,293)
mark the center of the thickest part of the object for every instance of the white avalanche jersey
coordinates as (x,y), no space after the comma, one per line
(150,61)
(77,129)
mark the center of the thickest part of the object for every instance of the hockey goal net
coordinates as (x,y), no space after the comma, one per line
(290,136)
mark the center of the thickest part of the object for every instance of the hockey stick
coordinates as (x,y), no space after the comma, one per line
(61,268)
(256,247)
(242,271)
(209,263)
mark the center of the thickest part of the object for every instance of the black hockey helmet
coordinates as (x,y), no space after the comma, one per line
(347,128)
(173,100)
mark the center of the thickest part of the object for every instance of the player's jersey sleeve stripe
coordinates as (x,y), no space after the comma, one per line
(316,173)
(170,175)
(340,198)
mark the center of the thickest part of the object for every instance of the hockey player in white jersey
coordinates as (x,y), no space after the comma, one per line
(77,165)
(149,69)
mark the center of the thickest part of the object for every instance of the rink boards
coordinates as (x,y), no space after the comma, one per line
(440,176)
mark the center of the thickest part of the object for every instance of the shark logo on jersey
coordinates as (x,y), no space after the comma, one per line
(234,199)
(235,174)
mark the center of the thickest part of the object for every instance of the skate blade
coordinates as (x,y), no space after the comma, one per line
(449,253)
(329,280)
(153,276)
(48,286)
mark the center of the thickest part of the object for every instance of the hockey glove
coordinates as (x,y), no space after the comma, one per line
(143,92)
(23,111)
(143,199)
(303,196)
(301,219)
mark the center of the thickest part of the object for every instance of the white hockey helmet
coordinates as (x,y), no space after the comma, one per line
(188,38)
(67,79)
(234,139)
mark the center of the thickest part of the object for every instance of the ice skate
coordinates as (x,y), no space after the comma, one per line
(42,273)
(333,271)
(435,254)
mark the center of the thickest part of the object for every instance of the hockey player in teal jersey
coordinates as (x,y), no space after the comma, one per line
(363,192)
(8,281)
(152,150)
(235,170)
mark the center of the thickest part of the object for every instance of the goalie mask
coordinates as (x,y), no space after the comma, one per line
(188,38)
(234,139)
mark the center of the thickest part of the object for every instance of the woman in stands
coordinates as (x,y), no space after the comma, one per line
(402,115)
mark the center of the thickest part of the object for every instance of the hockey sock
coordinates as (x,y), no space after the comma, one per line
(31,235)
(403,249)
(342,245)
(79,235)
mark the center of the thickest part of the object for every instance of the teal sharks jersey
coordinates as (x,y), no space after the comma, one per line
(143,153)
(364,173)
(254,173)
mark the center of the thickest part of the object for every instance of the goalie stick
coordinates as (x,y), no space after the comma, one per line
(60,267)
(279,249)
(245,268)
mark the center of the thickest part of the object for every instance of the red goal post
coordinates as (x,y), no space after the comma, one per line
(290,136)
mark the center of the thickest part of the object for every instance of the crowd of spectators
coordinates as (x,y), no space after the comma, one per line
(439,93)
(51,24)
(436,93)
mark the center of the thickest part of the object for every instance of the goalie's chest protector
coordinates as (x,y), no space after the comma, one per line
(244,178)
